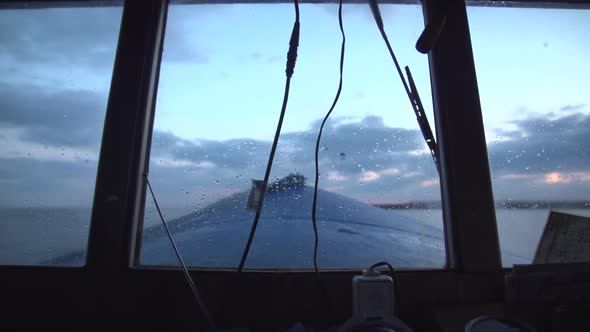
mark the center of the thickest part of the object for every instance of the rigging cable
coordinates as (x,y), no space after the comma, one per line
(187,275)
(290,68)
(317,145)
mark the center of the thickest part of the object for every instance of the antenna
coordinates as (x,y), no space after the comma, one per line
(187,275)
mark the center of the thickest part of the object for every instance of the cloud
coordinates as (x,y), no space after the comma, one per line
(371,161)
(516,176)
(364,158)
(369,176)
(351,147)
(564,178)
(84,37)
(63,128)
(337,177)
(390,171)
(230,154)
(430,183)
(55,136)
(543,144)
(64,36)
(70,118)
(576,107)
(545,157)
(347,148)
(49,138)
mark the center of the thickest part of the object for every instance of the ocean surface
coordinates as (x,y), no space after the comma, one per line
(35,236)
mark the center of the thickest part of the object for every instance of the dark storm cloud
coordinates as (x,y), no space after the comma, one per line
(576,107)
(364,157)
(232,154)
(538,144)
(67,36)
(81,36)
(75,119)
(368,142)
(346,147)
(541,144)
(64,118)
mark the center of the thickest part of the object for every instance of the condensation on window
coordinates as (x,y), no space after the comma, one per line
(219,99)
(55,72)
(533,78)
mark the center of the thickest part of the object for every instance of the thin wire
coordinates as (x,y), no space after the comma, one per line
(291,59)
(266,178)
(187,275)
(393,278)
(317,145)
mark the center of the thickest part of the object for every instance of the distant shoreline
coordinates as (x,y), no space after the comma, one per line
(499,205)
(414,205)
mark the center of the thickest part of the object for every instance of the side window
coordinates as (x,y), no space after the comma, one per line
(55,72)
(533,74)
(218,103)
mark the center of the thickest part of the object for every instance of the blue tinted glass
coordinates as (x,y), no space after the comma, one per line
(220,93)
(533,75)
(55,72)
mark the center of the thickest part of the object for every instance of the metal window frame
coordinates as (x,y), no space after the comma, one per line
(115,229)
(468,206)
(471,235)
(111,282)
(124,155)
(470,229)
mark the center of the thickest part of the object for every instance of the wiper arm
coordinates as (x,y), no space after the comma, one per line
(422,119)
(427,40)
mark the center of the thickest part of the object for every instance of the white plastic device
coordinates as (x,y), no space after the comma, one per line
(372,295)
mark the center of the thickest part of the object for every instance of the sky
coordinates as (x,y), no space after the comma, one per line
(220,92)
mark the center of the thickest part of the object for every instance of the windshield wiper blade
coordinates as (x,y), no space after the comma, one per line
(423,120)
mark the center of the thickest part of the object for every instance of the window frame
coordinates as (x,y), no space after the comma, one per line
(466,190)
(474,272)
(117,213)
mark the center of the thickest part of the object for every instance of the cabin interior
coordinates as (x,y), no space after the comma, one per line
(111,290)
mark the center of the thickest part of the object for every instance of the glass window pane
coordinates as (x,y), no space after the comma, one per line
(218,102)
(55,72)
(533,74)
